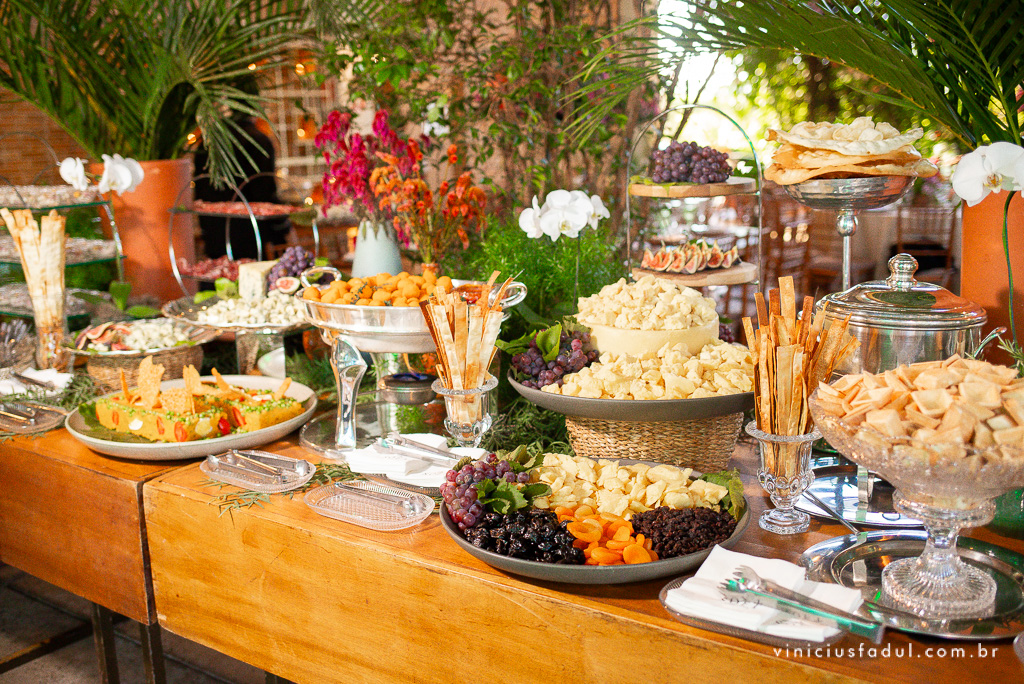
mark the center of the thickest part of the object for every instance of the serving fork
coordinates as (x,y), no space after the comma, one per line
(765,592)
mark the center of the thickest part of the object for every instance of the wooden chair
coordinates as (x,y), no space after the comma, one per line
(783,252)
(927,234)
(825,264)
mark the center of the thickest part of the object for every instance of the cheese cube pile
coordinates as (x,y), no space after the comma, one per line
(670,373)
(621,489)
(648,304)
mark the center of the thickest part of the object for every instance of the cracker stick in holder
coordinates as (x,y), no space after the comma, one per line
(790,356)
(40,246)
(464,334)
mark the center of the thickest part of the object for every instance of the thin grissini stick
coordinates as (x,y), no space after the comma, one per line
(762,310)
(442,362)
(806,318)
(474,345)
(784,388)
(501,294)
(462,341)
(748,332)
(774,303)
(787,295)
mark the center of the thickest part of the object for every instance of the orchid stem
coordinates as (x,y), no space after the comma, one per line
(1009,264)
(576,284)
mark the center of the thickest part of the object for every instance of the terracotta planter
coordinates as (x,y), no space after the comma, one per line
(983,273)
(142,219)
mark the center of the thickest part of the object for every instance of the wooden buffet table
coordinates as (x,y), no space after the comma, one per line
(73,517)
(313,599)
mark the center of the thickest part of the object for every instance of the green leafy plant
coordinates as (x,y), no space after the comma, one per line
(494,78)
(957,63)
(138,78)
(546,268)
(119,292)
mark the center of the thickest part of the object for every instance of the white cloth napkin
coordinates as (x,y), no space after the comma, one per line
(700,597)
(13,386)
(402,467)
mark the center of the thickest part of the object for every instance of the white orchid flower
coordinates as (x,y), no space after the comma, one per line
(137,172)
(600,211)
(529,220)
(72,170)
(999,166)
(117,175)
(565,214)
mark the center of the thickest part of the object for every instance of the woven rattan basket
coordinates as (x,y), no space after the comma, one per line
(104,368)
(705,444)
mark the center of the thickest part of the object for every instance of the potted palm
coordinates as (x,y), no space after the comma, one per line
(138,79)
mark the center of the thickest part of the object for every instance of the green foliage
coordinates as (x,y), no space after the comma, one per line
(493,79)
(522,422)
(784,88)
(956,63)
(137,78)
(548,269)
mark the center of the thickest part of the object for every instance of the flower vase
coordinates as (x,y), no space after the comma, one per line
(376,251)
(143,220)
(983,277)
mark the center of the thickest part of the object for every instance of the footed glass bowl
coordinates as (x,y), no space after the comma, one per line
(947,486)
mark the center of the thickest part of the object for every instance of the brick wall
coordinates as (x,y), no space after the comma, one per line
(22,158)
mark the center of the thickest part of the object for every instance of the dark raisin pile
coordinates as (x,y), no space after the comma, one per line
(679,532)
(531,535)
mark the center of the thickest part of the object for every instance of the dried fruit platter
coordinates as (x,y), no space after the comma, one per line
(590,574)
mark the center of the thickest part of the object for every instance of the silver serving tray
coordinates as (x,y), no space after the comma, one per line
(387,328)
(856,561)
(185,310)
(836,485)
(872,192)
(638,409)
(591,574)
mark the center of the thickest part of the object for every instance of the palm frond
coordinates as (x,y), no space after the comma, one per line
(958,62)
(137,77)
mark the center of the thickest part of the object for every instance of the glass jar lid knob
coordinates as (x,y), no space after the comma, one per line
(901,269)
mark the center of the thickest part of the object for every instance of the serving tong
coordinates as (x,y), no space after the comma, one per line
(765,592)
(408,447)
(407,505)
(27,413)
(259,464)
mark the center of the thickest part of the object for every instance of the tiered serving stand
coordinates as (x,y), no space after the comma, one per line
(6,302)
(380,331)
(738,274)
(848,491)
(250,340)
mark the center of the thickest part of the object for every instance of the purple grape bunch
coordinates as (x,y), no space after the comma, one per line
(459,488)
(688,162)
(573,356)
(293,262)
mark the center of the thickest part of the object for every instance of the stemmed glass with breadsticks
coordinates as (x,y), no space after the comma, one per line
(464,333)
(791,355)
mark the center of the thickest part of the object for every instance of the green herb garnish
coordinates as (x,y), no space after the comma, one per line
(730,479)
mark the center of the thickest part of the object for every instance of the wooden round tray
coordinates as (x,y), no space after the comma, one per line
(742,272)
(733,186)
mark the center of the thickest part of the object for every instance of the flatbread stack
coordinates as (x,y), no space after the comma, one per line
(791,356)
(862,148)
(465,334)
(41,247)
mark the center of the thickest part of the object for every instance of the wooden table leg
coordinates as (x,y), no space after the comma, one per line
(152,653)
(106,651)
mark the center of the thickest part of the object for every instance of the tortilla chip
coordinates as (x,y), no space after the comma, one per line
(921,168)
(148,381)
(279,392)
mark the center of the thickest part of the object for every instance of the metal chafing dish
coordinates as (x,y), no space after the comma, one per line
(901,320)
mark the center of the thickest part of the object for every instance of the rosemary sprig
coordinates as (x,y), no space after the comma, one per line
(239,499)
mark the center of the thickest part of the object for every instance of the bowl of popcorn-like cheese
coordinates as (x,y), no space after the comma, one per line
(643,317)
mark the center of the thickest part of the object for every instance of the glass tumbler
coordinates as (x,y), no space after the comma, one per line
(468,415)
(784,472)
